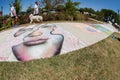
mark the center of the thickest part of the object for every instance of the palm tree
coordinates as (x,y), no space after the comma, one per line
(71,7)
(51,4)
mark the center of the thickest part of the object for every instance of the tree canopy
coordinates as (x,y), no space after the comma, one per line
(18,5)
(87,10)
(51,4)
(110,15)
(71,7)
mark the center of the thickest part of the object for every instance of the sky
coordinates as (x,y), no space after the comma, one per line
(95,4)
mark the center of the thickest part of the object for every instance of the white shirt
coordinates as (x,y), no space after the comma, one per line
(36,9)
(13,11)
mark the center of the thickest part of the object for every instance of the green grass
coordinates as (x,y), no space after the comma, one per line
(97,62)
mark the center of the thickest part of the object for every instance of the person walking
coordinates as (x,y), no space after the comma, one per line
(13,15)
(36,8)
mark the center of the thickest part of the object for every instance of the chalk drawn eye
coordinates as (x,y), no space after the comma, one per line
(21,31)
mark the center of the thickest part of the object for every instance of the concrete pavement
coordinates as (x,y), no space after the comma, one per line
(76,36)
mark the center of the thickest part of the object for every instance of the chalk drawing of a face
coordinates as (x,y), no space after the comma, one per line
(40,43)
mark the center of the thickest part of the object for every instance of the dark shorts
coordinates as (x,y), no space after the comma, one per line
(36,14)
(13,17)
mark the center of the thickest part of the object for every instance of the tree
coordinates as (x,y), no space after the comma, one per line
(51,4)
(60,8)
(110,15)
(18,5)
(81,10)
(90,10)
(30,9)
(71,7)
(99,15)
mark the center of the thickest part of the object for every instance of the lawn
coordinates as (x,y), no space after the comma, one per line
(100,61)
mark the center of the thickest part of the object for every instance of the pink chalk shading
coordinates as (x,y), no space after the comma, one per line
(84,27)
(71,42)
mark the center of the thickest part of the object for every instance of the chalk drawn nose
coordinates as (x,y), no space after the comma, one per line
(35,33)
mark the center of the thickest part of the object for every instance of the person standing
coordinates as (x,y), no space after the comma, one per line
(36,8)
(13,15)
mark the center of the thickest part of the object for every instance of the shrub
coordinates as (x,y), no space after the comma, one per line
(7,24)
(60,16)
(57,16)
(79,17)
(68,17)
(23,19)
(45,17)
(49,17)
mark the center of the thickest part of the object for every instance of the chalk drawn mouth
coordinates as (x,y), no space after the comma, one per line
(35,42)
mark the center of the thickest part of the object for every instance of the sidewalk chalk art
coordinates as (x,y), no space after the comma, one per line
(102,29)
(35,42)
(88,28)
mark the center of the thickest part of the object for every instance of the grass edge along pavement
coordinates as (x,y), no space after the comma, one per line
(96,62)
